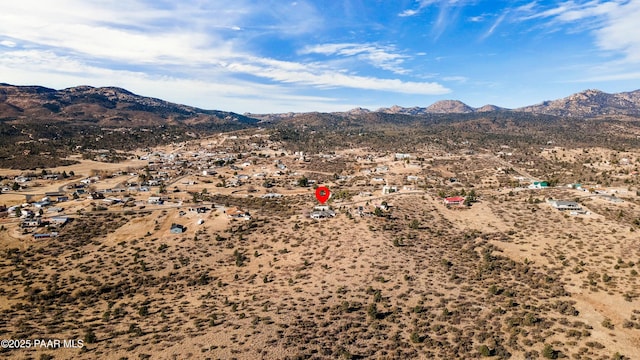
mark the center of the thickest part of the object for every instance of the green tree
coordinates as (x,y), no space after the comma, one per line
(15,186)
(90,337)
(303,182)
(372,311)
(415,337)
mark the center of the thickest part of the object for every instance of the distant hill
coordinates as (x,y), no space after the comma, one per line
(112,106)
(105,106)
(590,103)
(440,107)
(586,104)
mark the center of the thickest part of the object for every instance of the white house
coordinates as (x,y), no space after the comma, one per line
(539,185)
(154,200)
(322,212)
(389,189)
(565,205)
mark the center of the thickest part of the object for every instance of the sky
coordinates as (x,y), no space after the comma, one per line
(267,56)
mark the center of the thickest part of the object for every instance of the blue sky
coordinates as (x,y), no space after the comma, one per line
(279,56)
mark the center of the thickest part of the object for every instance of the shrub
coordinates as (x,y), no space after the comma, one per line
(484,350)
(549,353)
(90,337)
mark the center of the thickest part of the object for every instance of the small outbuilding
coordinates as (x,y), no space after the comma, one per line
(177,229)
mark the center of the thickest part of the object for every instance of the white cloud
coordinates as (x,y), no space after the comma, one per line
(383,57)
(45,68)
(198,53)
(8,43)
(318,76)
(620,33)
(423,4)
(216,87)
(610,77)
(614,23)
(408,12)
(495,25)
(460,79)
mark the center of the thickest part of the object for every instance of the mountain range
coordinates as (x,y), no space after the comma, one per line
(588,103)
(106,106)
(112,106)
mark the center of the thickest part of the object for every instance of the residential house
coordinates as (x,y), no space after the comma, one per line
(383,206)
(539,185)
(42,204)
(90,180)
(96,196)
(59,220)
(565,205)
(322,212)
(31,223)
(236,213)
(155,200)
(389,189)
(453,201)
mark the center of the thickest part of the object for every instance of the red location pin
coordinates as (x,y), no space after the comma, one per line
(322,194)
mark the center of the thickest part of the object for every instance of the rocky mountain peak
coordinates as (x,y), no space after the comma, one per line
(449,106)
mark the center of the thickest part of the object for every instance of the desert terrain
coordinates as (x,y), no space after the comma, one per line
(208,249)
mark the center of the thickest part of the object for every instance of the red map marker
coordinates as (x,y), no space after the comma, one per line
(322,194)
